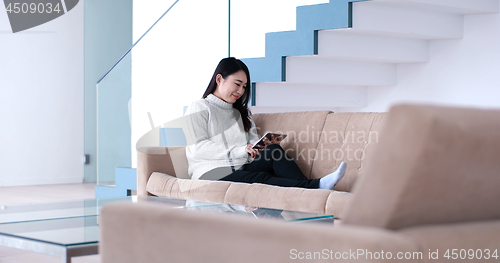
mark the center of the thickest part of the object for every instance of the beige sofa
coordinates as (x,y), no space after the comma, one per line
(429,189)
(429,192)
(317,141)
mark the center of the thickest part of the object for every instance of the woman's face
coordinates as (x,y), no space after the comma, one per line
(231,88)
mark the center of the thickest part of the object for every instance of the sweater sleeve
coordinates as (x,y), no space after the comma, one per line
(202,145)
(253,136)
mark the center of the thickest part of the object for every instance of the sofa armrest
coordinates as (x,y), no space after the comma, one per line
(168,160)
(145,232)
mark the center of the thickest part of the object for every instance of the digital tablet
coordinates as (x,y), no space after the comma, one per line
(260,143)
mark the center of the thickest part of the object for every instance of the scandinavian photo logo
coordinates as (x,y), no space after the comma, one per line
(26,14)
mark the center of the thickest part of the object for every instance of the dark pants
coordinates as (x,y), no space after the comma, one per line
(273,166)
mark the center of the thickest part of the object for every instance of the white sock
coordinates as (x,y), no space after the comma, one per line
(329,181)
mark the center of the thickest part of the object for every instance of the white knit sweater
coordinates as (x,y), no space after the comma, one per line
(219,139)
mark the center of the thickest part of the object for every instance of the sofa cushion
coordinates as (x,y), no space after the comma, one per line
(164,185)
(432,165)
(258,195)
(348,137)
(303,130)
(286,198)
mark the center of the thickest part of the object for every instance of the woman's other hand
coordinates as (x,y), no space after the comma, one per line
(253,152)
(273,140)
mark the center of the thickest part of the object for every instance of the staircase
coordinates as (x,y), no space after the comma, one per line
(343,48)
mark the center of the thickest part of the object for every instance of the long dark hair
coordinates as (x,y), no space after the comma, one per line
(226,67)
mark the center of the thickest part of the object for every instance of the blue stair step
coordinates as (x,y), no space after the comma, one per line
(126,180)
(302,41)
(102,191)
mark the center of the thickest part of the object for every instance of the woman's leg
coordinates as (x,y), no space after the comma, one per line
(274,160)
(268,178)
(274,167)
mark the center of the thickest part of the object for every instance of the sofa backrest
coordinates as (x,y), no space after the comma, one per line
(348,137)
(319,141)
(303,130)
(432,165)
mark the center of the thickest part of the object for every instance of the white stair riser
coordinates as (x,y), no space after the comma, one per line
(339,72)
(450,6)
(379,18)
(384,33)
(309,95)
(343,44)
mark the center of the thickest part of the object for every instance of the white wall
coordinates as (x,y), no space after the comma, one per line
(41,101)
(460,72)
(173,64)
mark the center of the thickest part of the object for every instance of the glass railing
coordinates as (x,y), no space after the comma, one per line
(172,64)
(168,67)
(113,93)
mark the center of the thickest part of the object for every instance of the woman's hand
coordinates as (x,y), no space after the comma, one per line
(253,152)
(273,140)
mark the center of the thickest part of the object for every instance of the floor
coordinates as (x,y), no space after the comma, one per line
(45,193)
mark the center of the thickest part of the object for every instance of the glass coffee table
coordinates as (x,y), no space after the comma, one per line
(71,228)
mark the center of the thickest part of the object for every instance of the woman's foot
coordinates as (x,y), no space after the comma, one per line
(329,181)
